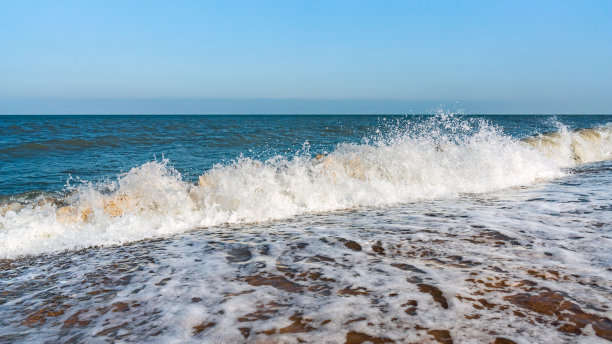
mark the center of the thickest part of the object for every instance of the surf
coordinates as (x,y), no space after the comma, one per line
(443,157)
(573,147)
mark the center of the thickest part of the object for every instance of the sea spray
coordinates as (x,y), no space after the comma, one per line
(442,157)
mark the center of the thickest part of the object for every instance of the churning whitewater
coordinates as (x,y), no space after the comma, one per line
(408,164)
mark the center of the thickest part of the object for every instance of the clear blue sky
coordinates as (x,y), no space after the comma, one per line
(485,56)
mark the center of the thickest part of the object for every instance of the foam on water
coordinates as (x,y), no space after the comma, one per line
(567,147)
(441,158)
(526,264)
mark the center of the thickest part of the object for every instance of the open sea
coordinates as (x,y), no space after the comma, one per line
(306,229)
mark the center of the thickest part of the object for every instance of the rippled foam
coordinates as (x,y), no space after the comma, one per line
(442,158)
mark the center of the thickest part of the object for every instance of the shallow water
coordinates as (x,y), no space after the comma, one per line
(528,262)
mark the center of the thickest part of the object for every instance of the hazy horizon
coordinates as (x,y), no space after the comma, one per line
(281,106)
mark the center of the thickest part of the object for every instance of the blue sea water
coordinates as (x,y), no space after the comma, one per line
(41,153)
(319,229)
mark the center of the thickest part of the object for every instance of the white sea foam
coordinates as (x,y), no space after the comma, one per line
(568,148)
(441,158)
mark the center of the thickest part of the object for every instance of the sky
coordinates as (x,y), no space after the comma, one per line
(305,56)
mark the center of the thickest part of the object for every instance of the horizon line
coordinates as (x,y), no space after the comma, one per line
(291,106)
(310,114)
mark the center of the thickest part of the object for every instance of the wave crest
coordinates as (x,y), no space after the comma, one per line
(440,158)
(569,148)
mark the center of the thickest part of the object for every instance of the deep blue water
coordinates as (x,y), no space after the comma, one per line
(41,153)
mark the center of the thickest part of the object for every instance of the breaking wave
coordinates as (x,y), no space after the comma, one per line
(440,158)
(569,148)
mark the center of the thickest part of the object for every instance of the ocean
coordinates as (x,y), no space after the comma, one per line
(441,228)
